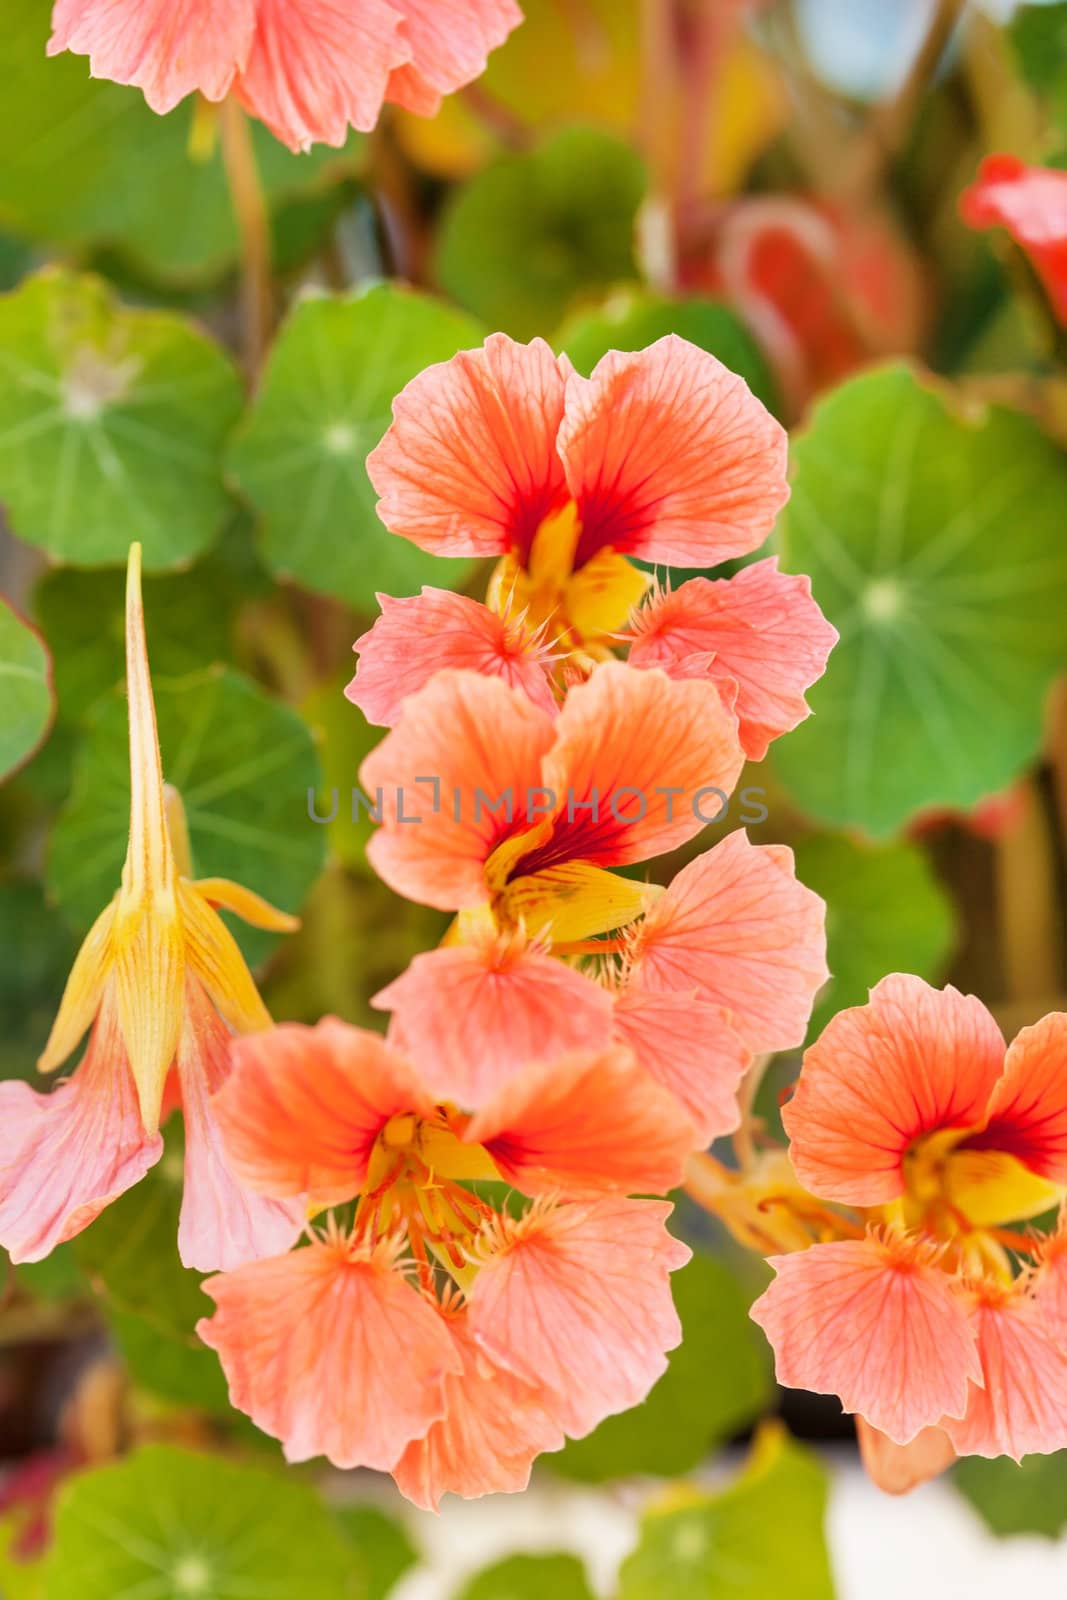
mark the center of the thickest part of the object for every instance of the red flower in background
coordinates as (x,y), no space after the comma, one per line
(1031,203)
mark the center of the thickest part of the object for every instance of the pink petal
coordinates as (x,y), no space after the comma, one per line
(1028,1108)
(223,1223)
(69,1153)
(415,638)
(876,1322)
(586,1123)
(912,1061)
(575,1299)
(317,67)
(899,1468)
(472,1015)
(480,741)
(469,465)
(493,1428)
(303,1107)
(1021,1409)
(671,458)
(1050,1282)
(624,740)
(736,926)
(760,631)
(688,1045)
(450,47)
(168,48)
(331,1350)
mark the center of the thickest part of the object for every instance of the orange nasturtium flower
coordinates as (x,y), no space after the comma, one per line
(436,1337)
(924,1305)
(661,456)
(159,983)
(306,69)
(518,827)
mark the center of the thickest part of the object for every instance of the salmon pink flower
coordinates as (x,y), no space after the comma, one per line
(522,814)
(661,456)
(307,68)
(1031,203)
(759,636)
(918,1305)
(159,983)
(437,1338)
(417,637)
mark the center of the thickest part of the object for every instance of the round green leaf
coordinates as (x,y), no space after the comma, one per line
(111,425)
(1017,1497)
(384,1550)
(717,1381)
(885,912)
(934,540)
(632,319)
(87,162)
(523,239)
(758,1539)
(26,692)
(323,404)
(243,765)
(174,1524)
(530,1578)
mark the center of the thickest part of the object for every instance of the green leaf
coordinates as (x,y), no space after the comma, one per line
(26,691)
(758,1539)
(152,1303)
(717,1381)
(383,1549)
(38,951)
(323,403)
(19,1580)
(1039,34)
(1028,1497)
(934,540)
(533,232)
(632,319)
(112,424)
(188,619)
(243,765)
(175,1524)
(885,912)
(530,1578)
(87,162)
(57,1277)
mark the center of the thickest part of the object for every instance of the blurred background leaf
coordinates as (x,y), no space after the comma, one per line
(758,1539)
(522,241)
(1011,1497)
(323,403)
(529,1578)
(25,687)
(934,541)
(112,423)
(177,1523)
(885,912)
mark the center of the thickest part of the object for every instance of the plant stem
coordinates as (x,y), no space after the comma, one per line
(253,226)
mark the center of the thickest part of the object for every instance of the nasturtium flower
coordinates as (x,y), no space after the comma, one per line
(309,69)
(661,456)
(1031,204)
(925,1305)
(159,983)
(437,1337)
(517,833)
